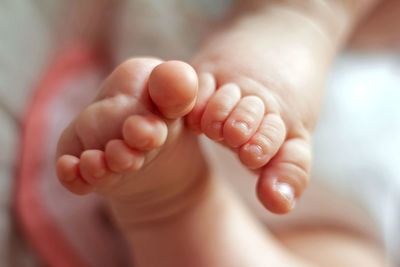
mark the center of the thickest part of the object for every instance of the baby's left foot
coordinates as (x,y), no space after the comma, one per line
(247,118)
(260,89)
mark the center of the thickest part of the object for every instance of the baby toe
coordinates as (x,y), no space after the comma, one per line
(244,120)
(173,88)
(218,109)
(206,90)
(68,173)
(265,143)
(144,132)
(284,179)
(121,158)
(92,166)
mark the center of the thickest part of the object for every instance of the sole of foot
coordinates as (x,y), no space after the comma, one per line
(130,142)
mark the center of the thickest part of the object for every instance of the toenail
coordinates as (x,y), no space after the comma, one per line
(137,164)
(128,164)
(216,129)
(99,173)
(286,191)
(216,125)
(255,150)
(241,126)
(68,178)
(143,143)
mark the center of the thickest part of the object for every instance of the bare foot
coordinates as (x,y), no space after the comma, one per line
(121,146)
(150,168)
(261,81)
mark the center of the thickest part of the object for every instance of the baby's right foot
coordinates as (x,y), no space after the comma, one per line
(122,147)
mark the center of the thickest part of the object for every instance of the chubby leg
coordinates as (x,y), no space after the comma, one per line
(216,231)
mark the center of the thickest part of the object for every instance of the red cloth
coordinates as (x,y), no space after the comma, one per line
(64,229)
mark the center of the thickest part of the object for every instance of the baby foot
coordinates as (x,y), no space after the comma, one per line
(247,118)
(251,124)
(122,147)
(260,83)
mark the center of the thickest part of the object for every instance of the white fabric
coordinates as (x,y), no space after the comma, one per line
(356,169)
(358,140)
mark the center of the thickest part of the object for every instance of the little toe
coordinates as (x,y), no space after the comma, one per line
(218,109)
(121,158)
(144,132)
(68,173)
(265,143)
(173,88)
(285,177)
(207,88)
(244,121)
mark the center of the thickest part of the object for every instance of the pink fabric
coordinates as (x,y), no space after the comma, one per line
(65,230)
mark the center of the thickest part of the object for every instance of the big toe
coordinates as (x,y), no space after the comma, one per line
(173,87)
(285,177)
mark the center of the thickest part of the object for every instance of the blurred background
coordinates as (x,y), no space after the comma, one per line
(357,143)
